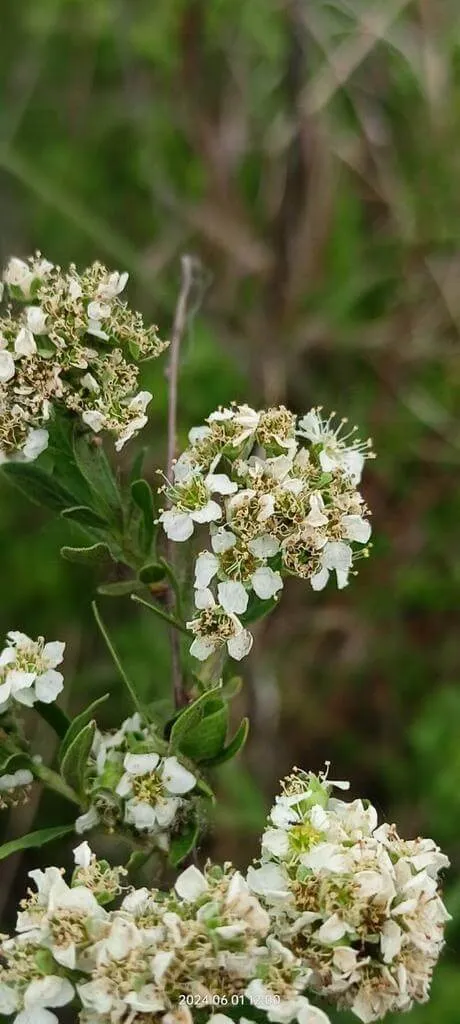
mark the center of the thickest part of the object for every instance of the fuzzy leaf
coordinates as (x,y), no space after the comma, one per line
(38,485)
(87,556)
(85,516)
(119,588)
(33,839)
(95,467)
(141,494)
(75,758)
(79,723)
(152,573)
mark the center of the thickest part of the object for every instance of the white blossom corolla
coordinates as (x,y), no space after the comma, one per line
(330,876)
(193,503)
(334,453)
(137,407)
(7,366)
(232,594)
(21,275)
(28,670)
(41,994)
(214,628)
(152,787)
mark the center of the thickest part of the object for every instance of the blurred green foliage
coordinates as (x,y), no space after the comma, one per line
(309,154)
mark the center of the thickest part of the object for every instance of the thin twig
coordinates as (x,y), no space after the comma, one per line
(155,608)
(179,326)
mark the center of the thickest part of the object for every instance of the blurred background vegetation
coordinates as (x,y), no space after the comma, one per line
(309,154)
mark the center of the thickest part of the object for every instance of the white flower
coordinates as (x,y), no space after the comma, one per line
(191,884)
(35,443)
(166,779)
(94,327)
(137,407)
(269,881)
(336,556)
(194,504)
(44,992)
(98,310)
(334,453)
(36,319)
(21,777)
(27,670)
(7,367)
(82,855)
(25,344)
(94,419)
(85,822)
(215,627)
(112,286)
(232,594)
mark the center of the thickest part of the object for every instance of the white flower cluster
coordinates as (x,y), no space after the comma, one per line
(28,670)
(284,502)
(15,787)
(130,783)
(360,906)
(70,341)
(152,958)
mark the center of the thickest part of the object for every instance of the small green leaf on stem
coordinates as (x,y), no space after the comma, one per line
(34,839)
(79,723)
(87,556)
(75,760)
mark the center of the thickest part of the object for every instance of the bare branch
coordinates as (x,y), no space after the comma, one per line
(179,326)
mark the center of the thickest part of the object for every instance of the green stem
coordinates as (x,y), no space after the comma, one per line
(116,660)
(53,781)
(161,614)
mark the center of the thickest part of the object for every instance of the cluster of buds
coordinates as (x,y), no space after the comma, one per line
(28,671)
(284,501)
(68,340)
(130,784)
(204,944)
(360,906)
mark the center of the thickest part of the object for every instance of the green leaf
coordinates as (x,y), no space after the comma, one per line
(33,839)
(233,748)
(54,715)
(152,573)
(257,609)
(182,844)
(85,516)
(142,497)
(138,462)
(95,467)
(75,759)
(79,723)
(119,588)
(205,740)
(231,688)
(38,486)
(12,762)
(88,556)
(188,718)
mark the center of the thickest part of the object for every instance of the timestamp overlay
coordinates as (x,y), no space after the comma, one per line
(231,999)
